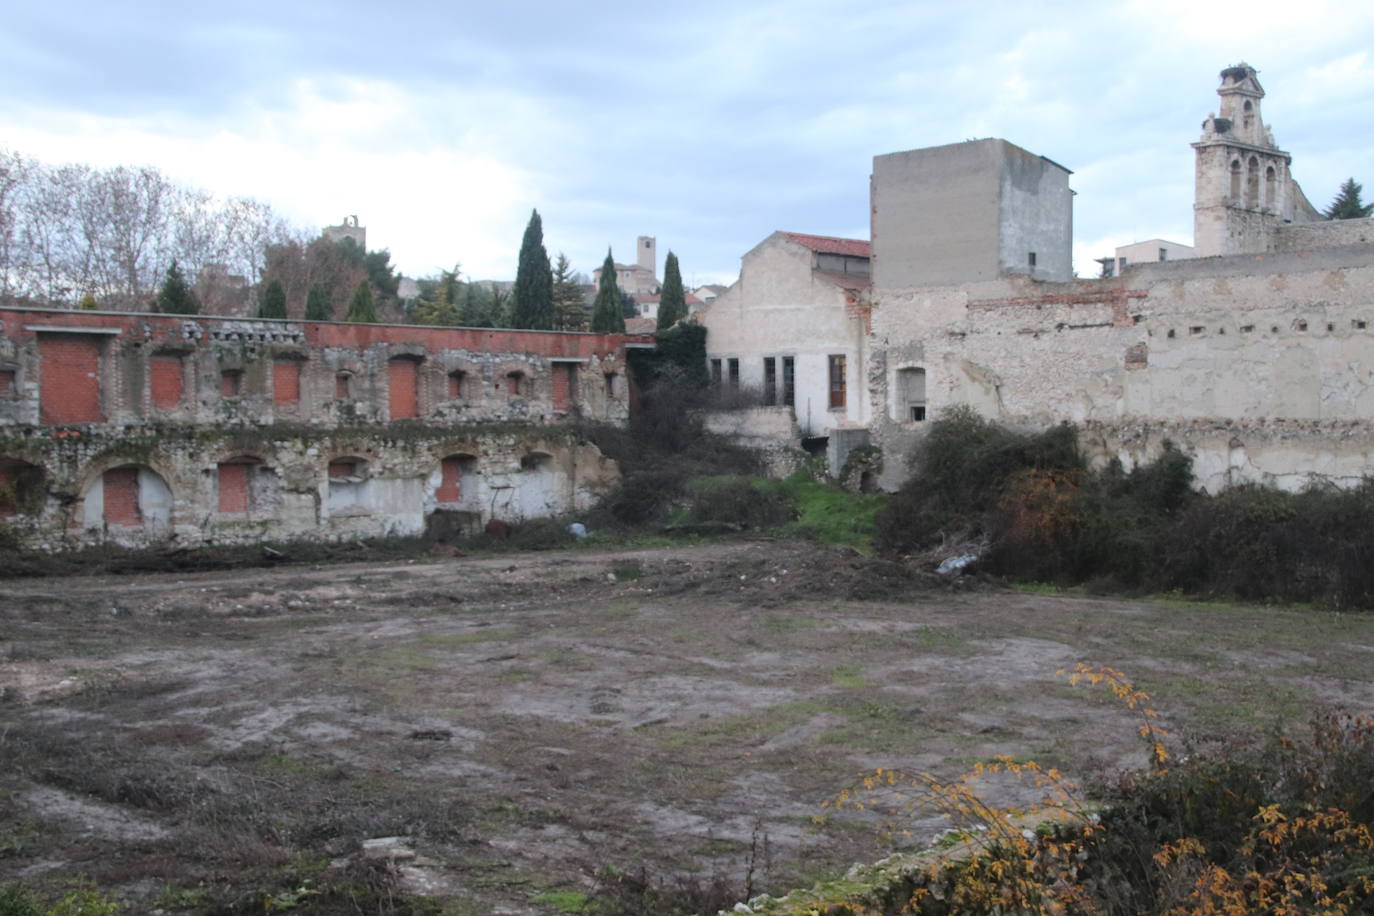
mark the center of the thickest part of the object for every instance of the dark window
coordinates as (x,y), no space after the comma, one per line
(770,381)
(732,366)
(455,383)
(837,393)
(789,390)
(1031,258)
(1164,254)
(715,372)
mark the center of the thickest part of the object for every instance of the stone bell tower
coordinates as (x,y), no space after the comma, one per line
(1244,189)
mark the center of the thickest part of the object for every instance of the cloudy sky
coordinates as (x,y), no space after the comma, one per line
(706,125)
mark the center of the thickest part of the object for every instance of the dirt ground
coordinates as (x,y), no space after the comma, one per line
(520,722)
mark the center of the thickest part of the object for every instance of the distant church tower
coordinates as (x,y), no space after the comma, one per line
(1244,189)
(647,254)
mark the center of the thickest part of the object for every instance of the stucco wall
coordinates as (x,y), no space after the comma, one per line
(778,308)
(968,212)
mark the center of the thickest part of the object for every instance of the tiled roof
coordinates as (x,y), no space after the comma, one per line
(845,281)
(825,244)
(641,325)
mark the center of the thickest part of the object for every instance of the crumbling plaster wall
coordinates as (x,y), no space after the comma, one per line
(399,477)
(778,308)
(1261,366)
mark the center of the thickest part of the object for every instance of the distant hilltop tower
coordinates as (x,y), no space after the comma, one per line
(637,278)
(1244,188)
(647,256)
(348,229)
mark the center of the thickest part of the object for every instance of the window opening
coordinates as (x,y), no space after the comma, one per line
(715,372)
(837,381)
(231,383)
(911,394)
(732,368)
(770,381)
(456,378)
(789,390)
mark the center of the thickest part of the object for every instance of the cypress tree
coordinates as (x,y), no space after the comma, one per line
(672,302)
(273,303)
(318,307)
(606,314)
(532,306)
(176,297)
(1347,204)
(363,308)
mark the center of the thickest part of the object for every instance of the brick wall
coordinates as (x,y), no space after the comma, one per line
(167,379)
(6,382)
(233,487)
(121,497)
(286,381)
(69,379)
(564,383)
(403,378)
(451,481)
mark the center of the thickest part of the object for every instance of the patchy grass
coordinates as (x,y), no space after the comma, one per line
(831,515)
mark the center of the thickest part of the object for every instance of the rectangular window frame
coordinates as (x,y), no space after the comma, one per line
(836,363)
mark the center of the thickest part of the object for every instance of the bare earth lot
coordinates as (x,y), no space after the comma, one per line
(527,719)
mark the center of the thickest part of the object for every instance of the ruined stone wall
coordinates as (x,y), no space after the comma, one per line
(1323,234)
(139,429)
(1262,367)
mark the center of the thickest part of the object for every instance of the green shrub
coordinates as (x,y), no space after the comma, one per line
(964,465)
(737,501)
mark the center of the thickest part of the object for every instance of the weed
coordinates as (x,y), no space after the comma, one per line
(563,901)
(848,677)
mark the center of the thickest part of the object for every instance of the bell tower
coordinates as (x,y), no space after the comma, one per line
(1244,190)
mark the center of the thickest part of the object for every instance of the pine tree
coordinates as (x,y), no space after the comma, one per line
(441,308)
(88,303)
(1347,204)
(176,297)
(318,306)
(606,314)
(569,305)
(532,306)
(672,302)
(363,308)
(273,303)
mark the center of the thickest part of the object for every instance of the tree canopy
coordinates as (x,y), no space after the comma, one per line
(1347,204)
(440,307)
(532,305)
(672,302)
(363,307)
(175,297)
(569,305)
(606,311)
(273,303)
